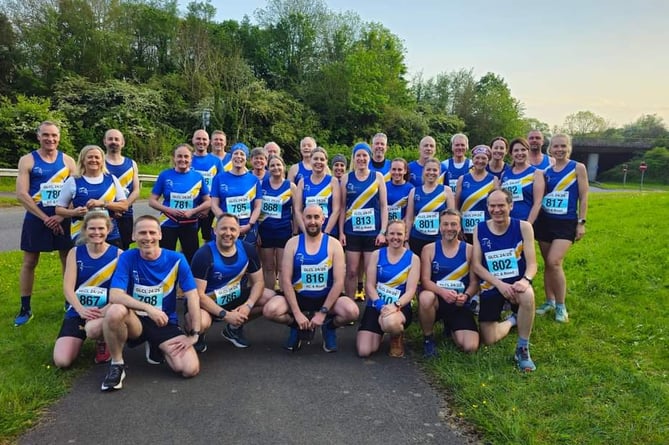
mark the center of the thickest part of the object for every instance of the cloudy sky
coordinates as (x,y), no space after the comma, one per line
(605,56)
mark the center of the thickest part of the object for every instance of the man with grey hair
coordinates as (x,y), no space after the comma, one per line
(378,161)
(38,185)
(272,149)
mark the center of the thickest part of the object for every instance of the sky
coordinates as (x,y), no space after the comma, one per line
(605,56)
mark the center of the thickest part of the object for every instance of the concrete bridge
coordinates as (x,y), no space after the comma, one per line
(600,155)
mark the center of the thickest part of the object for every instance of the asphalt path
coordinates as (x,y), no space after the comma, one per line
(11,220)
(258,395)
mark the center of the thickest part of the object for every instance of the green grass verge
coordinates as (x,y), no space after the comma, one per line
(602,378)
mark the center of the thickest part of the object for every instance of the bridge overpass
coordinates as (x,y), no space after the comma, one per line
(600,155)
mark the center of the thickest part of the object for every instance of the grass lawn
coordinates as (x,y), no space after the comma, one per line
(602,378)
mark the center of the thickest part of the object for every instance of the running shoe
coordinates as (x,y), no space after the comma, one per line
(293,342)
(561,314)
(235,336)
(397,346)
(154,356)
(545,308)
(25,315)
(201,344)
(360,295)
(474,305)
(329,338)
(102,354)
(523,360)
(114,378)
(429,348)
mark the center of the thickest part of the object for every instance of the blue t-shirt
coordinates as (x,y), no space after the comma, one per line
(154,282)
(227,277)
(208,166)
(180,190)
(237,194)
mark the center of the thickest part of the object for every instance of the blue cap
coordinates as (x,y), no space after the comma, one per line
(362,146)
(240,146)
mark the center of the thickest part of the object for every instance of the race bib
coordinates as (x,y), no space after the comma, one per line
(363,220)
(240,206)
(314,277)
(502,263)
(394,213)
(388,294)
(453,184)
(471,219)
(272,206)
(456,285)
(555,203)
(207,176)
(321,201)
(92,296)
(226,294)
(152,295)
(514,186)
(427,223)
(49,193)
(181,201)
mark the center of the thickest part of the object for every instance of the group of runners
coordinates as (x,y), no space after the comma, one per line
(459,234)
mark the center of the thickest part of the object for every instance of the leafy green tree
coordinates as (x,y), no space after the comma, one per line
(648,126)
(495,113)
(18,125)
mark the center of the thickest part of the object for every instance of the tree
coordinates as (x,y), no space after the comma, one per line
(584,123)
(9,55)
(648,126)
(495,111)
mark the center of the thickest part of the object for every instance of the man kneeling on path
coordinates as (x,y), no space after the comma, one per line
(312,277)
(223,270)
(143,297)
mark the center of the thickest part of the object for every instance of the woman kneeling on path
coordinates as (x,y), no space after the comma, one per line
(88,272)
(392,278)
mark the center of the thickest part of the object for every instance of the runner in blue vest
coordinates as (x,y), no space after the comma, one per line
(561,221)
(38,185)
(303,167)
(525,182)
(276,220)
(540,160)
(504,259)
(86,286)
(392,279)
(458,164)
(448,284)
(208,165)
(127,173)
(499,147)
(312,278)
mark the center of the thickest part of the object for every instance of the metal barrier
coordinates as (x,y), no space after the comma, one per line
(13,173)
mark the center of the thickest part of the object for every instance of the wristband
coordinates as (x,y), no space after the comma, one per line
(249,305)
(378,304)
(467,295)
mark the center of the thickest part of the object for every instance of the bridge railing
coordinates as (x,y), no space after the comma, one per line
(13,173)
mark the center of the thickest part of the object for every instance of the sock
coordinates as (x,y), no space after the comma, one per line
(561,306)
(512,319)
(523,342)
(117,363)
(551,302)
(25,302)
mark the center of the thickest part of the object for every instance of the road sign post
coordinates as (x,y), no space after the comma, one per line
(624,175)
(642,168)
